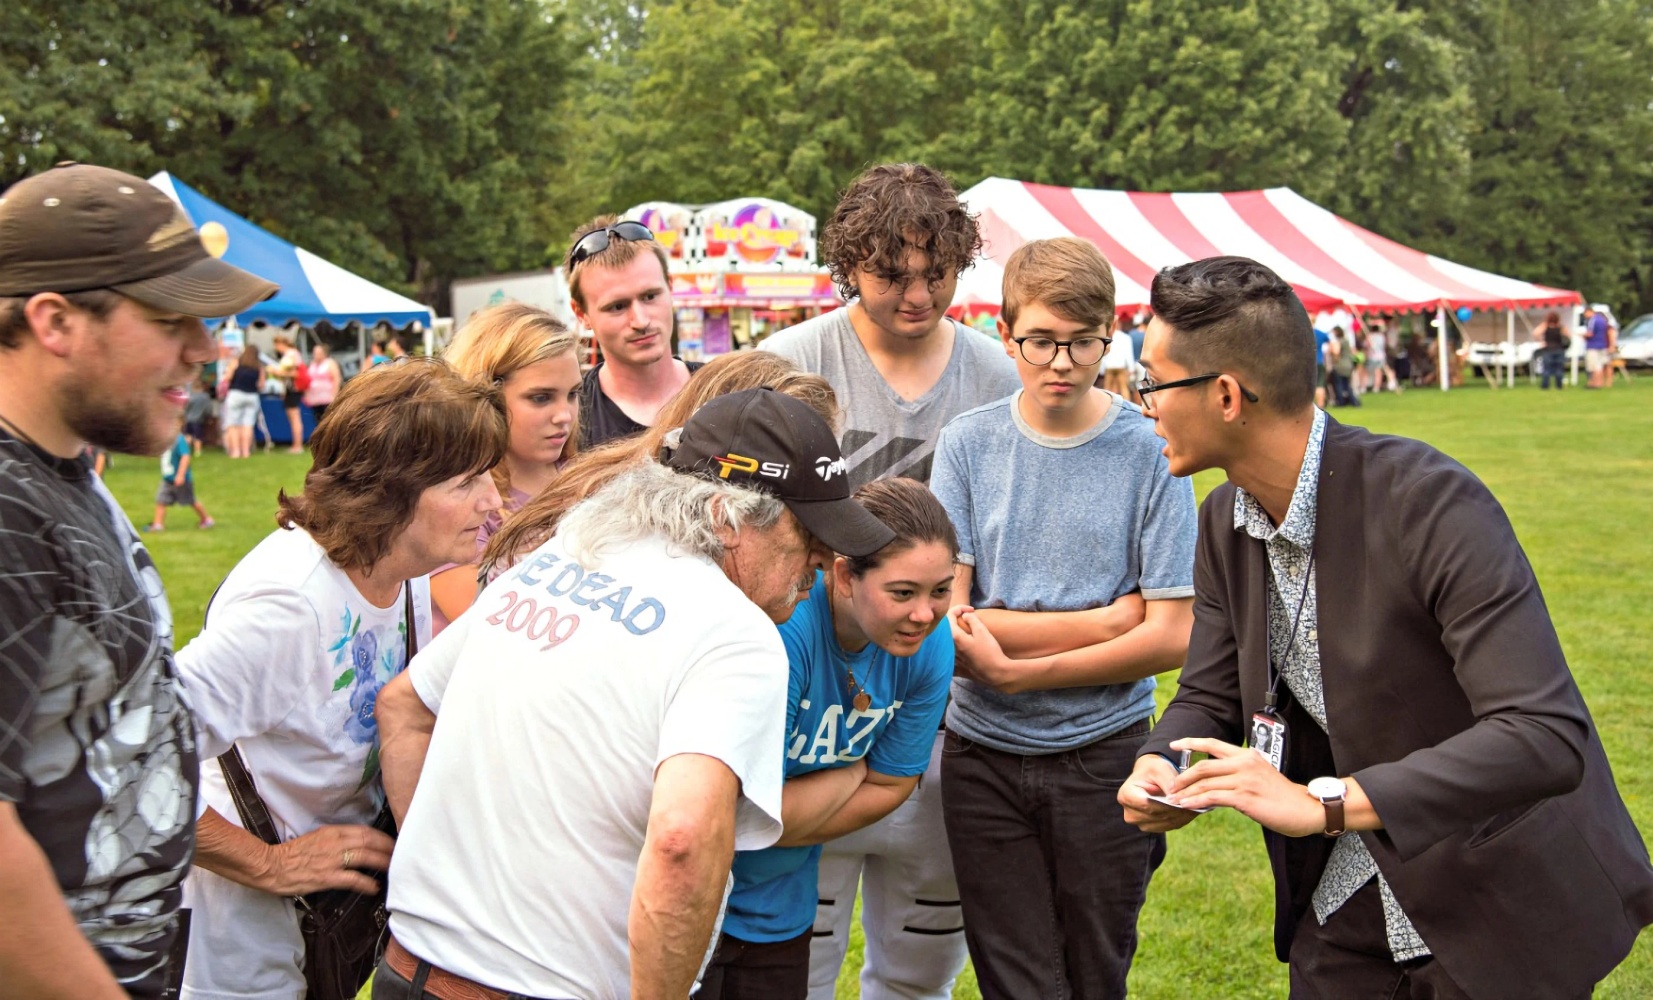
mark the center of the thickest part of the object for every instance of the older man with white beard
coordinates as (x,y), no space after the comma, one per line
(610,712)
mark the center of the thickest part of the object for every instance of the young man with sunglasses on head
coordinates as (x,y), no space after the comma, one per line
(1076,558)
(622,293)
(896,245)
(1439,813)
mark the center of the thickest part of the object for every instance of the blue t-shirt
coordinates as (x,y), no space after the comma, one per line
(1321,339)
(775,888)
(1061,524)
(171,458)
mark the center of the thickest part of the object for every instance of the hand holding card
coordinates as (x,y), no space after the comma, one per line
(1166,800)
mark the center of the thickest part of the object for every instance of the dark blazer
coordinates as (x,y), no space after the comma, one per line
(1449,700)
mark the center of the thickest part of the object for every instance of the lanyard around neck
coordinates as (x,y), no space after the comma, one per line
(1271,699)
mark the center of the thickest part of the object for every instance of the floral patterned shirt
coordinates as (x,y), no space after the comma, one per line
(1291,586)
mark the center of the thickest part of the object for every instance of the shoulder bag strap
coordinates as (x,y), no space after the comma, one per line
(255,817)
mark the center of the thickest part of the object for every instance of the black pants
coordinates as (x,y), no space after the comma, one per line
(1050,874)
(1349,958)
(754,970)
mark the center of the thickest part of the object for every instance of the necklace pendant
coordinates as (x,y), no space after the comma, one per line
(863,701)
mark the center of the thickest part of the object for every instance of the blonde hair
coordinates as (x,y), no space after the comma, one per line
(1066,275)
(502,340)
(538,519)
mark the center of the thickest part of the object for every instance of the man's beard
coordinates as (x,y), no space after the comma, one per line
(100,421)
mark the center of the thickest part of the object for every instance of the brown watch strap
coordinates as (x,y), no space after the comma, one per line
(1334,817)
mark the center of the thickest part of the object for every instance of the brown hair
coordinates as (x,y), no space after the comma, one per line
(1232,314)
(394,432)
(889,209)
(908,508)
(616,255)
(529,527)
(14,323)
(249,357)
(1066,275)
(502,340)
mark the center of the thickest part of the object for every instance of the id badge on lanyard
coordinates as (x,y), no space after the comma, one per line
(1268,729)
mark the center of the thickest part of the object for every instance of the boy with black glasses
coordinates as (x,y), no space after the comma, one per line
(621,292)
(1076,552)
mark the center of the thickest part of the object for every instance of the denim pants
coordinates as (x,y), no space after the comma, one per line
(1552,364)
(1050,874)
(752,970)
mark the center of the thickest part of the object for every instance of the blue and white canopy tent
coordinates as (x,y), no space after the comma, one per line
(312,289)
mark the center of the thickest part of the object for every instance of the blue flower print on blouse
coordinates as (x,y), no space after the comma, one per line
(370,661)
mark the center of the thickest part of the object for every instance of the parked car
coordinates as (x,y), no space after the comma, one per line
(1636,342)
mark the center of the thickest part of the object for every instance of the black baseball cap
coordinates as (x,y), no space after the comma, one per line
(769,441)
(77,227)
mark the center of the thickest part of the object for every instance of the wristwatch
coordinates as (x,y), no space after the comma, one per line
(1330,792)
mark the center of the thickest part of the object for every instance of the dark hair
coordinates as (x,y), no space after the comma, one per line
(393,432)
(908,508)
(14,323)
(1232,314)
(887,210)
(616,255)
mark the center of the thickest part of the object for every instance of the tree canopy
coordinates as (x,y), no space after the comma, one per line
(417,141)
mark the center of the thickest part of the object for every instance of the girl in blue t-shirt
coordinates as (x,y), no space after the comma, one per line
(870,670)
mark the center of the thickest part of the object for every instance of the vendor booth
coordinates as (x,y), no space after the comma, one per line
(1331,262)
(739,269)
(313,290)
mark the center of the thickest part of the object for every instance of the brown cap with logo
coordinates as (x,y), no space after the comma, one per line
(78,227)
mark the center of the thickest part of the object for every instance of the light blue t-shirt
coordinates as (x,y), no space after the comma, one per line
(1061,524)
(775,888)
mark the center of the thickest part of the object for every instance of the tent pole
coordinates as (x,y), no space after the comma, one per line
(1572,342)
(1509,314)
(1443,374)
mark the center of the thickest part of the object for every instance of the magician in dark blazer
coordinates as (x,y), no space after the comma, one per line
(1363,609)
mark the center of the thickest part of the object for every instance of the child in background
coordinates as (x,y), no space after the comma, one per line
(177,485)
(196,412)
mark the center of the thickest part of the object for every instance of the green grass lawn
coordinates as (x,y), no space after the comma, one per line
(1575,472)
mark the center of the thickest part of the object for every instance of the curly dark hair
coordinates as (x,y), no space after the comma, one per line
(887,210)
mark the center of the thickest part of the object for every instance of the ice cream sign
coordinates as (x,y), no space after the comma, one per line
(667,220)
(755,232)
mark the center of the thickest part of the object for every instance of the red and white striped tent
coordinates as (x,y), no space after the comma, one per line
(1330,261)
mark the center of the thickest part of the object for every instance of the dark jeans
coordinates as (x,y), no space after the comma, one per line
(1343,392)
(1349,958)
(1051,876)
(1552,364)
(754,970)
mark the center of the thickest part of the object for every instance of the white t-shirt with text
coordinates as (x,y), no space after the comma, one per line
(287,667)
(557,696)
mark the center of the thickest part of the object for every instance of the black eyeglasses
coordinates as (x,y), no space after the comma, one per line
(1148,385)
(596,241)
(1082,351)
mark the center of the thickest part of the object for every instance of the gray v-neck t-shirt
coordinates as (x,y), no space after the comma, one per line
(884,435)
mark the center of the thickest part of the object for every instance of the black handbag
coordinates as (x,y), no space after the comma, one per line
(342,929)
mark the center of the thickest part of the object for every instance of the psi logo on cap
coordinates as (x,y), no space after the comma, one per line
(751,466)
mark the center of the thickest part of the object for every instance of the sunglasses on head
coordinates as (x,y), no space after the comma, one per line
(598,240)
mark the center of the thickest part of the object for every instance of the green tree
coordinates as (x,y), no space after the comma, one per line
(1155,94)
(1562,159)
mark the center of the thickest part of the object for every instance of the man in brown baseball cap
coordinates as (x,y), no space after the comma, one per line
(103,286)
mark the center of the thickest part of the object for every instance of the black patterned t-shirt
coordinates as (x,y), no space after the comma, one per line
(97,749)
